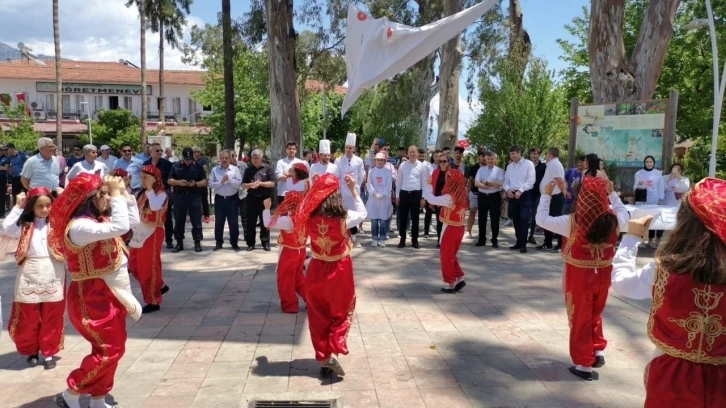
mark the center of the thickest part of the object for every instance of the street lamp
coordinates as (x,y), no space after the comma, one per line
(718,86)
(90,133)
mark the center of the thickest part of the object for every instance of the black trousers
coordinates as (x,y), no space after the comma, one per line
(489,204)
(520,209)
(427,219)
(243,214)
(205,202)
(3,193)
(169,224)
(17,186)
(556,205)
(187,203)
(255,207)
(226,209)
(410,206)
(439,224)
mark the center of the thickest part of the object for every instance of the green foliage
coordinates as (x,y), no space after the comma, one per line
(21,131)
(115,128)
(527,114)
(696,160)
(313,123)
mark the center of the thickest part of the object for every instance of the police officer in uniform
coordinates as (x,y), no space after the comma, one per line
(189,181)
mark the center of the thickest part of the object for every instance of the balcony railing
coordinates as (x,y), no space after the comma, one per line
(66,114)
(156,116)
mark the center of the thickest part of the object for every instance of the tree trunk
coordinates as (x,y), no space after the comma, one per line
(449,73)
(284,102)
(615,76)
(162,99)
(520,45)
(144,105)
(229,112)
(58,80)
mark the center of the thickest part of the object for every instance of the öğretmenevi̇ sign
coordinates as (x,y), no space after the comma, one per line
(74,87)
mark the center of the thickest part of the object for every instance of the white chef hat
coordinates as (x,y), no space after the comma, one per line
(324,146)
(350,139)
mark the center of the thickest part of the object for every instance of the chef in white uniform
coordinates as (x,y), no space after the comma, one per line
(350,165)
(324,165)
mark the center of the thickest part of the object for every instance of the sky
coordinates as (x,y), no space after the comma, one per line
(106,30)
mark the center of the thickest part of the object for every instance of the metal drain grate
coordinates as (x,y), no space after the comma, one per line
(293,404)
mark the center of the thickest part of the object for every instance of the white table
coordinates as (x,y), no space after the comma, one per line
(664,216)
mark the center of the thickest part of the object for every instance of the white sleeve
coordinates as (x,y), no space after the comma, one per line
(627,279)
(531,178)
(156,202)
(661,188)
(620,210)
(442,201)
(73,172)
(214,182)
(85,231)
(283,222)
(356,216)
(10,223)
(133,209)
(236,179)
(505,184)
(636,179)
(558,225)
(389,185)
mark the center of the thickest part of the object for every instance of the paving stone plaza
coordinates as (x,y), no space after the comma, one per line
(220,339)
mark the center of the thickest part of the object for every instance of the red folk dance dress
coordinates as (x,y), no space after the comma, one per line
(147,240)
(454,205)
(586,280)
(290,278)
(687,321)
(37,317)
(99,296)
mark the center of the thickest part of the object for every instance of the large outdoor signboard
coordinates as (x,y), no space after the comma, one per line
(106,89)
(624,133)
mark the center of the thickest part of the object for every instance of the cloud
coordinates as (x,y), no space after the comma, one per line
(91,30)
(467,115)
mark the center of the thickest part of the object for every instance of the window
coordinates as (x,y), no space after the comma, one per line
(192,107)
(80,105)
(148,104)
(50,102)
(66,102)
(97,102)
(176,105)
(207,108)
(128,103)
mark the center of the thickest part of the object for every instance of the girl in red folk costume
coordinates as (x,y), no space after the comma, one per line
(687,280)
(454,203)
(298,180)
(148,237)
(592,230)
(329,286)
(37,317)
(290,278)
(90,217)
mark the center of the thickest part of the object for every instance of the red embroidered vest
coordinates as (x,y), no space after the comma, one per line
(293,240)
(329,238)
(55,249)
(156,218)
(579,252)
(94,260)
(687,319)
(454,215)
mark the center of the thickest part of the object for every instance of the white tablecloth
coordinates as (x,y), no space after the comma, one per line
(664,216)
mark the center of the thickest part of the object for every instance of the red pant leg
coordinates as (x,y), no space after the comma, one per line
(289,274)
(133,256)
(101,319)
(24,326)
(148,267)
(52,327)
(580,288)
(604,278)
(676,383)
(330,295)
(450,243)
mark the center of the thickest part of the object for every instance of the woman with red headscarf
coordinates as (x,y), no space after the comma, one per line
(454,203)
(37,320)
(329,285)
(290,278)
(687,281)
(592,230)
(148,238)
(90,217)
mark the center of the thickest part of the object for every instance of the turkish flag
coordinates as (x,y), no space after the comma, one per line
(464,143)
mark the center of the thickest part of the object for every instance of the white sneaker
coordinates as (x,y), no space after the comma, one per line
(468,235)
(508,223)
(654,243)
(374,243)
(382,244)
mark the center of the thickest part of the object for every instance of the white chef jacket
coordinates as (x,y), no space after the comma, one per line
(352,167)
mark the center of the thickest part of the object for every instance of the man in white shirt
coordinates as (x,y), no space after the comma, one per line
(412,176)
(555,171)
(89,164)
(107,158)
(324,165)
(225,181)
(489,180)
(351,165)
(282,169)
(169,155)
(519,180)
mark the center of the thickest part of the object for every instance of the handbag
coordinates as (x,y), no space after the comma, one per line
(641,195)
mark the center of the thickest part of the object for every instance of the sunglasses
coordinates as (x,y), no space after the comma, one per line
(157,151)
(126,151)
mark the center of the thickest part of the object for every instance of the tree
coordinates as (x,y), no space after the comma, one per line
(229,121)
(616,76)
(527,112)
(313,122)
(144,106)
(116,127)
(21,132)
(58,79)
(449,73)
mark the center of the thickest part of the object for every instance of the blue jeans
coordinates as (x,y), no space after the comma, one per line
(379,229)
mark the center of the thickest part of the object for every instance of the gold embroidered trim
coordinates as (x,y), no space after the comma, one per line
(85,256)
(85,319)
(570,306)
(592,263)
(13,328)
